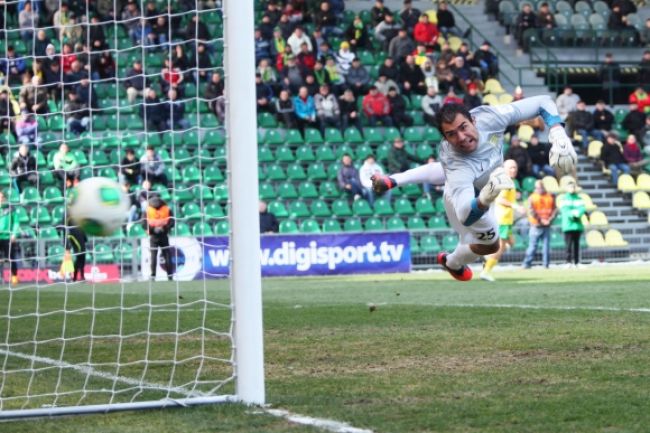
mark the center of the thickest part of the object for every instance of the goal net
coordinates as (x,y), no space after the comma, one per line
(133,91)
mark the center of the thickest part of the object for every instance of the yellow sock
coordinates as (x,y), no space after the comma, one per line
(490,264)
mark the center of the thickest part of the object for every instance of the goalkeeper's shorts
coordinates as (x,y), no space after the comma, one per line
(485,231)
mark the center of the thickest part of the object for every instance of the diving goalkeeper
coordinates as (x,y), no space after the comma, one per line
(471,158)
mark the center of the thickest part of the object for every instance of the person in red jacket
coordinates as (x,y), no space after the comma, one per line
(376,107)
(641,98)
(425,33)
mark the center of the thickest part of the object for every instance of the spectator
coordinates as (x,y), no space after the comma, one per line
(129,168)
(411,77)
(268,221)
(627,6)
(135,82)
(641,98)
(266,27)
(220,108)
(538,154)
(541,213)
(378,12)
(33,96)
(68,58)
(179,59)
(452,98)
(431,103)
(610,76)
(612,157)
(262,47)
(267,74)
(398,109)
(196,29)
(175,112)
(27,21)
(305,110)
(617,21)
(632,153)
(369,169)
(60,17)
(96,34)
(634,120)
(603,118)
(12,67)
(284,110)
(152,167)
(389,69)
(9,230)
(41,43)
(159,223)
(566,102)
(23,168)
(131,19)
(86,93)
(160,31)
(344,58)
(446,20)
(6,109)
(472,99)
(376,108)
(327,108)
(305,58)
(426,33)
(348,178)
(171,77)
(487,61)
(526,20)
(401,46)
(72,33)
(383,84)
(581,121)
(545,18)
(350,116)
(357,35)
(66,166)
(571,211)
(325,19)
(297,38)
(519,154)
(292,75)
(152,112)
(26,128)
(398,159)
(263,95)
(644,135)
(386,30)
(75,244)
(213,90)
(77,114)
(645,33)
(429,73)
(410,16)
(358,77)
(644,67)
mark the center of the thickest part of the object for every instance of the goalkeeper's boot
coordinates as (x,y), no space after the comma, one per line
(382,183)
(14,279)
(462,274)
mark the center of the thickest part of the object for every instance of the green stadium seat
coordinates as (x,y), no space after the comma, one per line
(325,153)
(55,254)
(415,245)
(30,195)
(108,172)
(40,216)
(363,151)
(286,190)
(344,149)
(557,239)
(103,253)
(403,207)
(391,134)
(296,172)
(222,228)
(373,224)
(411,190)
(328,190)
(333,136)
(341,208)
(212,175)
(298,209)
(137,231)
(202,229)
(352,225)
(267,192)
(395,223)
(331,225)
(98,157)
(214,211)
(333,170)
(440,205)
(21,214)
(383,207)
(124,253)
(416,223)
(313,136)
(414,134)
(214,138)
(437,222)
(275,172)
(273,137)
(316,171)
(288,227)
(362,208)
(182,156)
(352,135)
(424,151)
(284,154)
(528,184)
(49,234)
(264,154)
(416,101)
(319,209)
(431,134)
(382,151)
(56,122)
(202,193)
(293,137)
(449,242)
(309,225)
(305,153)
(307,190)
(191,211)
(266,120)
(191,175)
(429,244)
(373,135)
(278,209)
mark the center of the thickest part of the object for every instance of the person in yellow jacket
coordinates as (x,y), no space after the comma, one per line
(505,210)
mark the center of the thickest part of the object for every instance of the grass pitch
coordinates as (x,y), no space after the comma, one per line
(540,351)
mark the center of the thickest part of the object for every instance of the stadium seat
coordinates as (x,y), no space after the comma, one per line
(626,183)
(493,86)
(191,211)
(48,234)
(351,135)
(641,200)
(313,136)
(319,208)
(588,202)
(490,99)
(352,225)
(266,120)
(411,190)
(124,253)
(222,228)
(103,253)
(415,245)
(373,224)
(40,216)
(298,209)
(305,153)
(437,222)
(362,152)
(214,138)
(594,149)
(191,175)
(362,208)
(414,134)
(21,215)
(212,175)
(30,195)
(136,231)
(344,149)
(341,208)
(275,172)
(331,225)
(525,133)
(424,206)
(613,238)
(202,229)
(557,238)
(333,136)
(316,171)
(643,182)
(551,185)
(307,190)
(403,207)
(267,192)
(273,137)
(286,190)
(395,223)
(288,227)
(598,219)
(293,137)
(278,209)
(284,154)
(440,205)
(432,135)
(373,135)
(328,190)
(595,239)
(424,151)
(325,153)
(528,184)
(309,225)
(55,254)
(383,207)
(449,242)
(429,244)
(416,223)
(296,172)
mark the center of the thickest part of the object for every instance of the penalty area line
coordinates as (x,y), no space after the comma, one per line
(547,307)
(325,424)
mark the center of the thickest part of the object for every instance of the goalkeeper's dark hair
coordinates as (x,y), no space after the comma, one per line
(448,112)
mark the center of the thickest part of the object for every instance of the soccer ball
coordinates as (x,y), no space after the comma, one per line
(98,205)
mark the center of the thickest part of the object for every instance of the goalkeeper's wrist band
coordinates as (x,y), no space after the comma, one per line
(475,213)
(550,119)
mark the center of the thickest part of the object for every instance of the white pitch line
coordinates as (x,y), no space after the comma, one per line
(546,307)
(325,424)
(87,370)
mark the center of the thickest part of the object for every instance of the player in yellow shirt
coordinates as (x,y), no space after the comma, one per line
(505,211)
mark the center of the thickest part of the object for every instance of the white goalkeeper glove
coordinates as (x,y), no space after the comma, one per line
(498,181)
(562,155)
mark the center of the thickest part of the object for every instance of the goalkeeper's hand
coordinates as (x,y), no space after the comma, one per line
(562,155)
(382,183)
(498,181)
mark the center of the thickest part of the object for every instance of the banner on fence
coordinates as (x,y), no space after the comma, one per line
(93,273)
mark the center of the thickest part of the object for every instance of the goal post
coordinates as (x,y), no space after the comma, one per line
(68,347)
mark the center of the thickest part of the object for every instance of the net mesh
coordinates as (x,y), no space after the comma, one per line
(102,78)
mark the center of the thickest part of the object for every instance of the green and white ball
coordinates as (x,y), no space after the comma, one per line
(98,205)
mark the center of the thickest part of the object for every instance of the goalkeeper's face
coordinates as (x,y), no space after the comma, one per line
(461,134)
